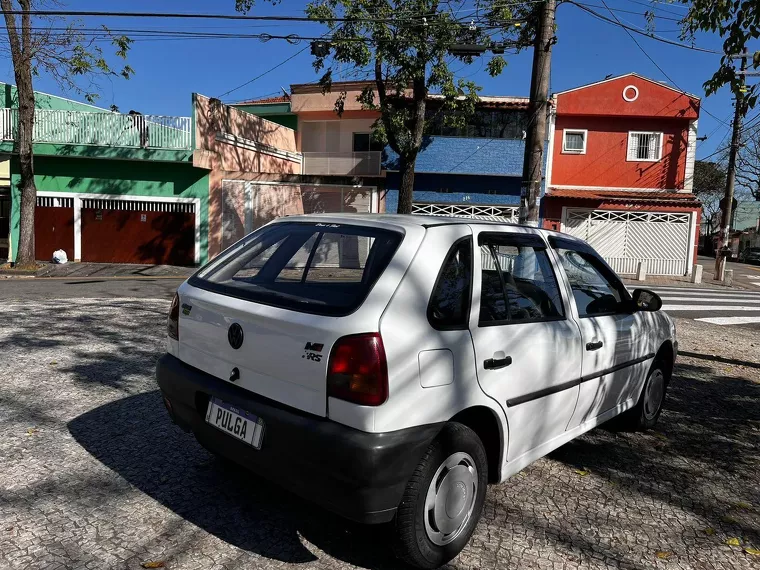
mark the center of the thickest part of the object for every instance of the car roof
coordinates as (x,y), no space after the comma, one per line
(416,220)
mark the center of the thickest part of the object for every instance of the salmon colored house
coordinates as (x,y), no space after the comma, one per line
(620,169)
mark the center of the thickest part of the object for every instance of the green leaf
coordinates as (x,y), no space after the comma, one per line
(733,541)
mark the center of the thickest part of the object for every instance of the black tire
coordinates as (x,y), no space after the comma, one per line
(412,542)
(644,415)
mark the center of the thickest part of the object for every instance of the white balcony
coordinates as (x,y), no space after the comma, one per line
(102,129)
(342,163)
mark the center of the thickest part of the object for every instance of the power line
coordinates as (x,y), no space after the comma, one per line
(181,15)
(650,35)
(649,57)
(621,10)
(649,5)
(268,71)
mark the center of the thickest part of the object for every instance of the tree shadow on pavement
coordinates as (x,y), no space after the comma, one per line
(702,457)
(135,438)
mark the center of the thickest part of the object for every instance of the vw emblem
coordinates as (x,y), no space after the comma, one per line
(235,336)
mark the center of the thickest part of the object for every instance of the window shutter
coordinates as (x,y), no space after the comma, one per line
(654,147)
(633,145)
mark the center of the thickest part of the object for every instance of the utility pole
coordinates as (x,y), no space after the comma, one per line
(537,114)
(724,238)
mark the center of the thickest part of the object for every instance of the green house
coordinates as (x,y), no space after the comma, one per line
(112,187)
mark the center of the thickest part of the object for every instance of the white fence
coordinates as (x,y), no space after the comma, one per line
(342,163)
(102,129)
(508,214)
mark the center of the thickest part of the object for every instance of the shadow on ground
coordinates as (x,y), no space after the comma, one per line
(135,438)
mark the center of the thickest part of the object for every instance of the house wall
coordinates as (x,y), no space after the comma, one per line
(461,155)
(340,131)
(276,112)
(306,98)
(604,164)
(114,177)
(47,101)
(236,145)
(234,140)
(606,99)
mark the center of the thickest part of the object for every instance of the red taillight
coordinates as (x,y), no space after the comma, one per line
(172,324)
(358,371)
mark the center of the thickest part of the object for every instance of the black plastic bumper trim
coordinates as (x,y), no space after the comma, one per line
(573,383)
(359,475)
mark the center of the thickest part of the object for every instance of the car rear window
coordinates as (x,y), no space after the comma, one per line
(320,268)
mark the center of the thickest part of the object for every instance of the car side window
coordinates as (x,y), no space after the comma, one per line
(596,290)
(518,284)
(450,302)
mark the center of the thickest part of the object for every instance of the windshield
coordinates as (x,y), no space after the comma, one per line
(312,267)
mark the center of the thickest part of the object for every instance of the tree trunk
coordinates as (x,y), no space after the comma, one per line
(21,54)
(406,190)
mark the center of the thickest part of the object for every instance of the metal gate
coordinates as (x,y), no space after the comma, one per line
(626,238)
(507,214)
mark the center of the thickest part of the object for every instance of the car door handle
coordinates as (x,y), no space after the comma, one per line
(496,363)
(594,345)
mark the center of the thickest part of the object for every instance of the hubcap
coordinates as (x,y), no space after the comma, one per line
(655,391)
(450,499)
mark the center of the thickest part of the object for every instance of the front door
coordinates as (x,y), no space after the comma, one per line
(613,351)
(528,350)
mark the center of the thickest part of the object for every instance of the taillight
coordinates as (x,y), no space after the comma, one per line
(358,371)
(172,324)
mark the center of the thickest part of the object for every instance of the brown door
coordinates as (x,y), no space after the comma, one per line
(128,236)
(53,229)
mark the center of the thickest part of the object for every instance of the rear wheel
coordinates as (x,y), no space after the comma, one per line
(647,411)
(443,499)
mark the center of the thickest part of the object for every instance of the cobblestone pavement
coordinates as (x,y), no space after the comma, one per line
(93,475)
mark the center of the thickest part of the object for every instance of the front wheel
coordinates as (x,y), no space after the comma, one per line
(443,499)
(647,411)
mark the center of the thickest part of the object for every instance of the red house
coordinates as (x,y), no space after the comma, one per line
(619,172)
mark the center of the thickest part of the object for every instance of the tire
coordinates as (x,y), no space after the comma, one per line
(428,537)
(644,415)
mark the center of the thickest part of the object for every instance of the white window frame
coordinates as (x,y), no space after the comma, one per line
(566,150)
(631,134)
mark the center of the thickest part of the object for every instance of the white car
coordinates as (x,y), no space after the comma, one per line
(389,367)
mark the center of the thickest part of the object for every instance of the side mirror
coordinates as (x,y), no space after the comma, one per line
(646,300)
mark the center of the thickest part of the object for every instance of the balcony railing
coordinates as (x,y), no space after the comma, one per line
(102,129)
(342,163)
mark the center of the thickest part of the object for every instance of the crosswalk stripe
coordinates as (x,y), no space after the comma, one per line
(730,320)
(725,308)
(699,296)
(693,290)
(713,299)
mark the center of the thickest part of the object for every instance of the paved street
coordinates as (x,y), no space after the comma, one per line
(93,475)
(717,306)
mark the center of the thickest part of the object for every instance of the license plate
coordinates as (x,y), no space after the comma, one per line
(238,423)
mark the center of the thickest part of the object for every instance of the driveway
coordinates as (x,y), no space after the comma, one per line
(94,475)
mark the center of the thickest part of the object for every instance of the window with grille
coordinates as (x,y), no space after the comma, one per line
(644,146)
(574,141)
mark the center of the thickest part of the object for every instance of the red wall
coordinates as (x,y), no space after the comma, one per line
(605,164)
(53,229)
(120,236)
(606,99)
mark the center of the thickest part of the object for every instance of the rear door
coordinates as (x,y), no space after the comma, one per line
(267,313)
(613,349)
(528,352)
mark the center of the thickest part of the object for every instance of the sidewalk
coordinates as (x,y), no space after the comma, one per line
(113,271)
(683,281)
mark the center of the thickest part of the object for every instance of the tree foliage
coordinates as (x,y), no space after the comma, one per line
(65,52)
(748,162)
(737,22)
(709,187)
(405,48)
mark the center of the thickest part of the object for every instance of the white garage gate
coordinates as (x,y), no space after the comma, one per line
(662,239)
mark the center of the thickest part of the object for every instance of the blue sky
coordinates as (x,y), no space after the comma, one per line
(168,71)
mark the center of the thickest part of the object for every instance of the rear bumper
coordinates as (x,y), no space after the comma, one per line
(359,475)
